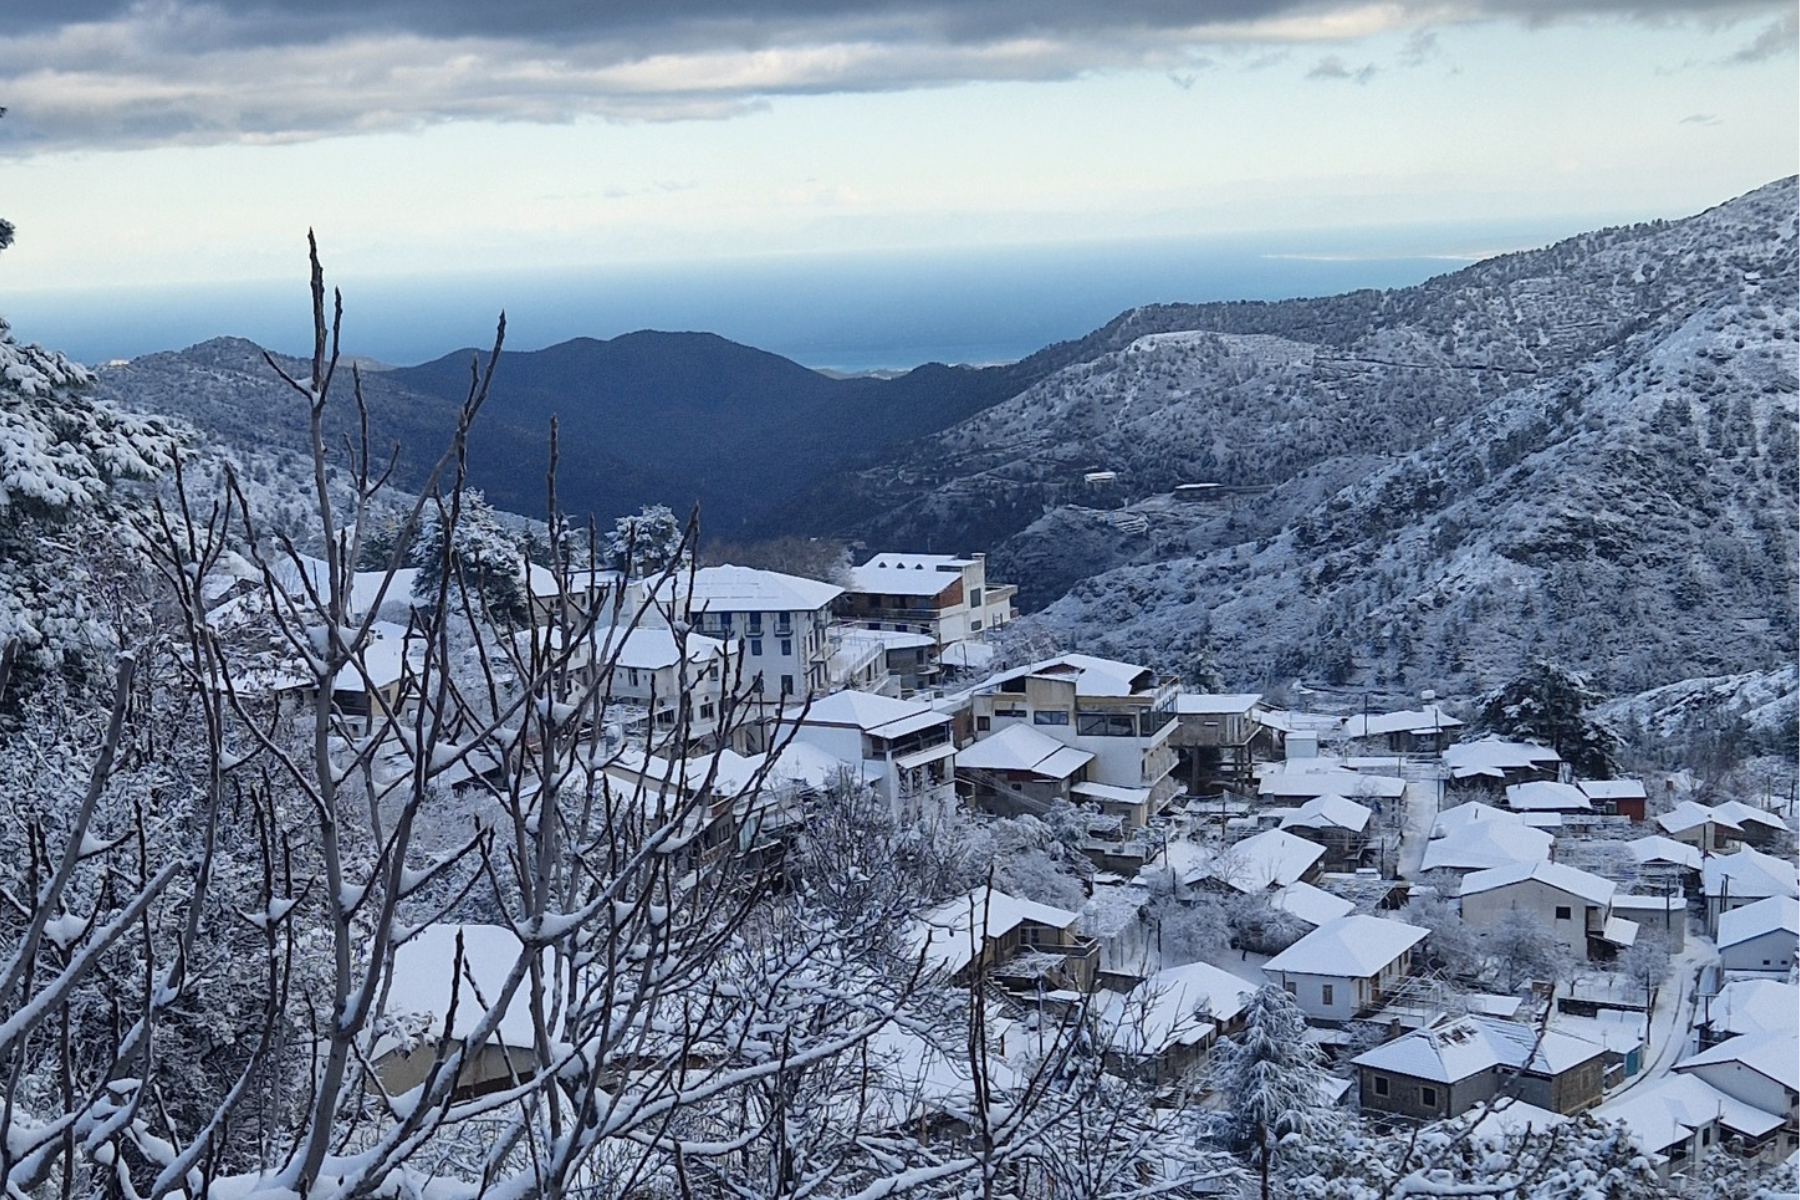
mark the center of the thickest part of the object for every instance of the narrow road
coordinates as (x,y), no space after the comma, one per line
(1672,1020)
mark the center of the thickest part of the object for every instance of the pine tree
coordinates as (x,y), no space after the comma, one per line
(1267,1077)
(1548,704)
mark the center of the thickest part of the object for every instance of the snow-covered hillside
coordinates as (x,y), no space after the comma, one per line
(1587,450)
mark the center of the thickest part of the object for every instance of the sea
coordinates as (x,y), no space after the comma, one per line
(868,311)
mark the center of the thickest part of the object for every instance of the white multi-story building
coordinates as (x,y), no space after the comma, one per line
(775,625)
(902,748)
(941,595)
(1122,714)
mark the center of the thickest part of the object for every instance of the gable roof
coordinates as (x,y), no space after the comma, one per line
(1269,859)
(1328,812)
(1431,719)
(1749,814)
(1657,848)
(1315,906)
(882,716)
(1612,789)
(1470,1045)
(1755,1006)
(1451,819)
(1091,676)
(1689,815)
(1495,756)
(1672,1108)
(1584,885)
(1543,796)
(1485,845)
(1022,748)
(1352,947)
(1180,1005)
(1774,1055)
(951,934)
(1748,874)
(425,983)
(1774,914)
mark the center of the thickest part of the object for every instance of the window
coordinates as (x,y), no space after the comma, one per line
(975,599)
(787,685)
(1381,1085)
(787,647)
(706,711)
(983,724)
(1051,717)
(784,622)
(724,622)
(1706,1136)
(1327,994)
(1563,912)
(632,673)
(756,647)
(1105,724)
(975,626)
(1291,988)
(1428,1097)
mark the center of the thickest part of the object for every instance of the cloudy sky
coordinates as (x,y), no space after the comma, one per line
(169,141)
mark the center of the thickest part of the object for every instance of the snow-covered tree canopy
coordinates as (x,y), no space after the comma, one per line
(61,452)
(1547,704)
(646,543)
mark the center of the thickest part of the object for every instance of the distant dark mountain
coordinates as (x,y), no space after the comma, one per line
(675,418)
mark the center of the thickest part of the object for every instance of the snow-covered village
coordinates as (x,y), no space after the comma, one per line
(419,849)
(881,600)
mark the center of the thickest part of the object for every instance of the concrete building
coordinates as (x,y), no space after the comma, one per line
(942,595)
(904,749)
(1441,1072)
(1346,967)
(1121,714)
(1573,904)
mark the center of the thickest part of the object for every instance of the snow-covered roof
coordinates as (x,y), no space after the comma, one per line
(1542,796)
(800,764)
(915,579)
(1224,704)
(1315,906)
(1327,812)
(1091,676)
(1270,859)
(1352,947)
(1483,845)
(1430,719)
(1619,931)
(1657,848)
(1773,1055)
(424,981)
(1748,814)
(1690,815)
(1022,748)
(1775,914)
(1748,874)
(1510,1115)
(882,716)
(306,572)
(639,647)
(1180,1005)
(1671,1109)
(1299,783)
(1494,756)
(903,560)
(952,932)
(1612,789)
(1468,1046)
(1755,1006)
(1113,792)
(750,589)
(1584,885)
(1463,815)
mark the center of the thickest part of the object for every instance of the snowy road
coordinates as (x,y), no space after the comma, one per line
(1421,814)
(1671,1021)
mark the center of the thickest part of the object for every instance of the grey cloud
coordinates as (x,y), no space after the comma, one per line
(82,73)
(1332,67)
(1778,37)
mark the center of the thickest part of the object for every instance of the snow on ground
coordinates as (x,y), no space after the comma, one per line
(1672,1020)
(1423,797)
